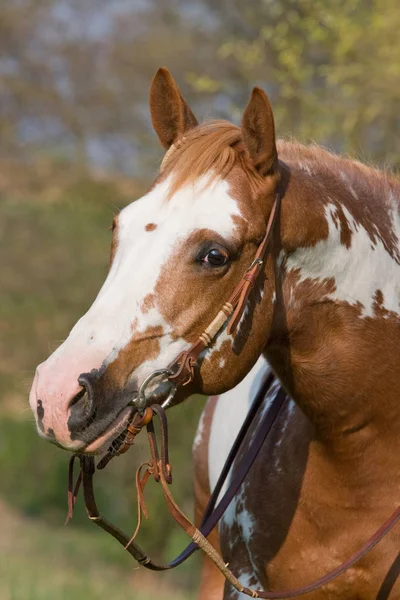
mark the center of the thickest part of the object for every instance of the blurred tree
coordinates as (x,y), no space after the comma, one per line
(74,80)
(74,76)
(332,69)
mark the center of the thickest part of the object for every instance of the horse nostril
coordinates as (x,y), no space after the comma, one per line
(82,405)
(78,397)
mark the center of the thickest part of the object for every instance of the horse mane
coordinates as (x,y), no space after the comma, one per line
(216,146)
(317,161)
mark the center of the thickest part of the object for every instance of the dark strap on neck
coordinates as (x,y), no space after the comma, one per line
(212,514)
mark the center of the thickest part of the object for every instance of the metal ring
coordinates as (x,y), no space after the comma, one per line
(171,395)
(141,401)
(256,261)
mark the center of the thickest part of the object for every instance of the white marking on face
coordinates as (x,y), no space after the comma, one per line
(138,263)
(359,271)
(107,327)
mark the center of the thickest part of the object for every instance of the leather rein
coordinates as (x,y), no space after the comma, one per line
(180,373)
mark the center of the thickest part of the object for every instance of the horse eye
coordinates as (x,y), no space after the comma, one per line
(215,258)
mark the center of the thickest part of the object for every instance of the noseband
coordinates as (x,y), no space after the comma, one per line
(181,372)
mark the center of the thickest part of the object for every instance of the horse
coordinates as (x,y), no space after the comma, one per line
(323,316)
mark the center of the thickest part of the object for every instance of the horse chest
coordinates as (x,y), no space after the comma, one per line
(266,554)
(274,534)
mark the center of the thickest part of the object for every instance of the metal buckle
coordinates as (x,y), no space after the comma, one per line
(256,261)
(140,402)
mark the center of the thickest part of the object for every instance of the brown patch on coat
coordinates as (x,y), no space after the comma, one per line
(378,305)
(205,292)
(150,227)
(148,302)
(342,223)
(142,346)
(329,341)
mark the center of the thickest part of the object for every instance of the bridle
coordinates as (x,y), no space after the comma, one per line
(181,372)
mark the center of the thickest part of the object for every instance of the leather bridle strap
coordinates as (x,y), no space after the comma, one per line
(199,539)
(213,513)
(161,470)
(87,470)
(211,516)
(183,366)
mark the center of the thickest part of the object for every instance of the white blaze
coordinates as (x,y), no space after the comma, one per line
(139,261)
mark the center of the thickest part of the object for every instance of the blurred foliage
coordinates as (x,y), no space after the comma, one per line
(43,562)
(334,70)
(74,129)
(74,76)
(53,259)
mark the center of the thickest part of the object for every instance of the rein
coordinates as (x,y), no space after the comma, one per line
(160,469)
(180,373)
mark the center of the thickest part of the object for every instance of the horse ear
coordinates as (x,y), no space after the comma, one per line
(170,113)
(258,131)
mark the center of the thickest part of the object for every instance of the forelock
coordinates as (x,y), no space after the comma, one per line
(212,148)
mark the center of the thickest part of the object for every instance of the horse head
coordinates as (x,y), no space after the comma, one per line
(177,254)
(325,303)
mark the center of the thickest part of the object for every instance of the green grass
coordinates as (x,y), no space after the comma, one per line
(42,562)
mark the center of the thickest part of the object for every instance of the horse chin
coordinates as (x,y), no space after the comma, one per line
(110,434)
(115,432)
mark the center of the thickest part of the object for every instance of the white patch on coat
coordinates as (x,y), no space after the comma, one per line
(247,579)
(230,411)
(238,515)
(306,168)
(289,408)
(359,271)
(222,337)
(199,431)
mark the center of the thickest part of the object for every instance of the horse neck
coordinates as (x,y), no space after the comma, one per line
(334,338)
